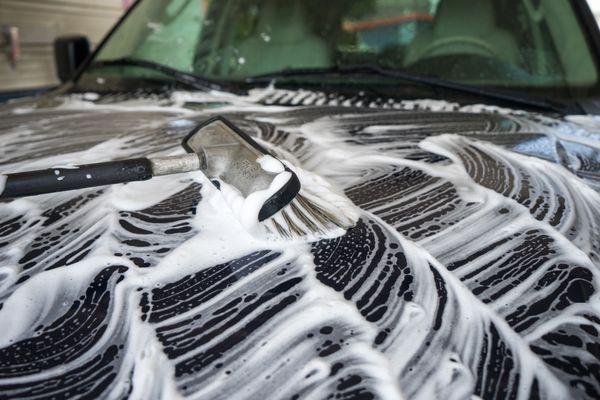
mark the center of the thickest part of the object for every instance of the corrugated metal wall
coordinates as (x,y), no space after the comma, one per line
(39,22)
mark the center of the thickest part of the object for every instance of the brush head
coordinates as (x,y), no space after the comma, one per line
(319,211)
(229,155)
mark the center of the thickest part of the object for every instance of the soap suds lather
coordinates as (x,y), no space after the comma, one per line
(469,269)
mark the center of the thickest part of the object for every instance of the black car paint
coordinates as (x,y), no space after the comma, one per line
(77,350)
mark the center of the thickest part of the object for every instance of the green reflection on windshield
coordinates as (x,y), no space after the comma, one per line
(535,44)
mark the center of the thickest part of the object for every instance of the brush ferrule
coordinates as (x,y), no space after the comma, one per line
(174,164)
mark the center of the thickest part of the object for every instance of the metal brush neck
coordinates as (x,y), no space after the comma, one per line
(174,164)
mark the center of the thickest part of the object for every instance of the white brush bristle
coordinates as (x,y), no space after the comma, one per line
(319,211)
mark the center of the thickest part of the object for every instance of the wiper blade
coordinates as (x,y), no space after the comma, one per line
(194,81)
(513,98)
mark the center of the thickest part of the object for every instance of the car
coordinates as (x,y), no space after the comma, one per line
(466,134)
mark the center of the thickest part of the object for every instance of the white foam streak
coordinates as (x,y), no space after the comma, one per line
(425,298)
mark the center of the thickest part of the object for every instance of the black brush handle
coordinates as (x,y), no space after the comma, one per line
(83,176)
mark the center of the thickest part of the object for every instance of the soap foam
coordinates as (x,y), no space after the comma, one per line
(448,281)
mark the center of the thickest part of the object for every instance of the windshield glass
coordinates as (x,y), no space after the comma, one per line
(525,45)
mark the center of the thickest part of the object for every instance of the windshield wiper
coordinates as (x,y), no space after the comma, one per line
(194,81)
(368,69)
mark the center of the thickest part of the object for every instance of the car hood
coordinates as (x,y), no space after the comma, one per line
(473,269)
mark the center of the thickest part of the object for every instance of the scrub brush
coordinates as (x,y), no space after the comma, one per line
(265,193)
(286,201)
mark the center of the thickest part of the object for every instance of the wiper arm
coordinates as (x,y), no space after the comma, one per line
(514,98)
(194,81)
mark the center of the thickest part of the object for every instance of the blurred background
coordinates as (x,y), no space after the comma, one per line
(27,32)
(28,29)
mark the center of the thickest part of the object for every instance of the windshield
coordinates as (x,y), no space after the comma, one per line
(522,45)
